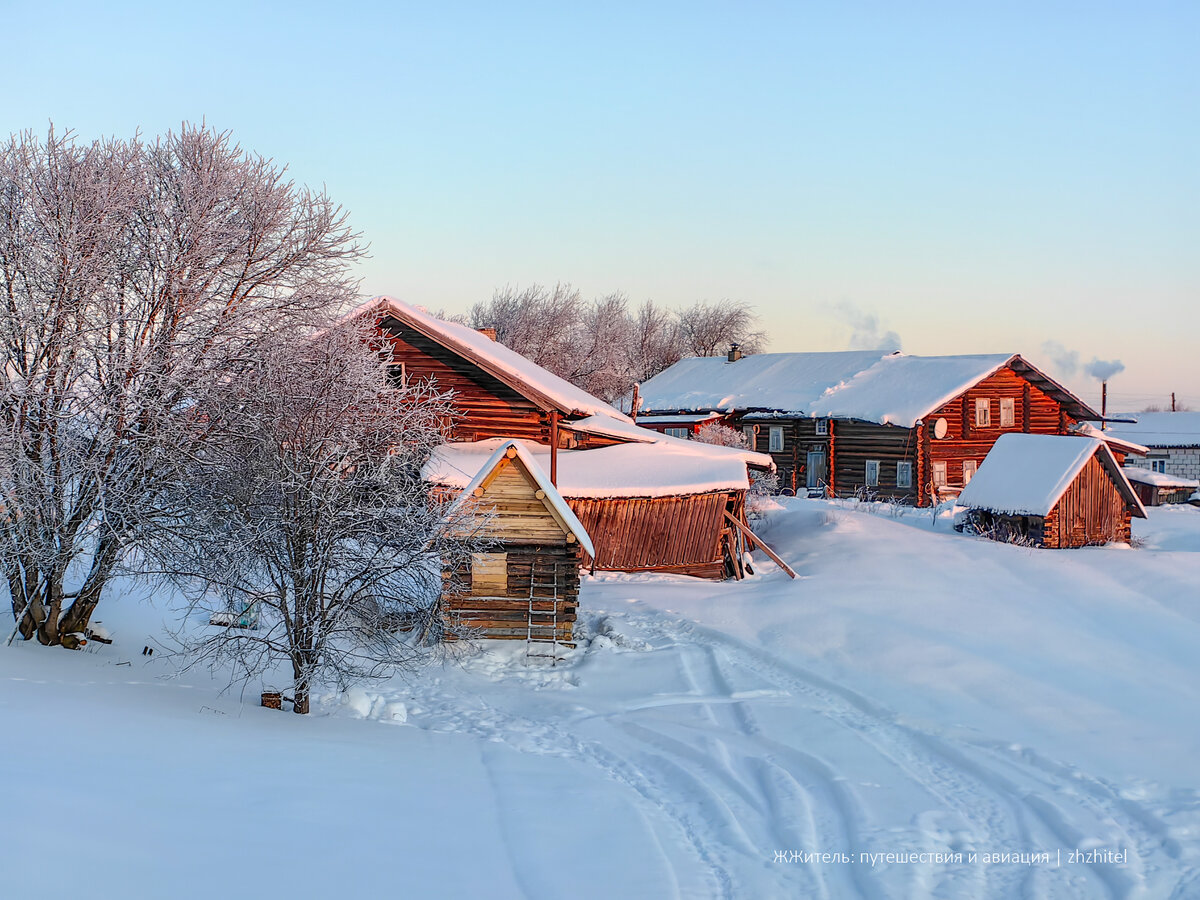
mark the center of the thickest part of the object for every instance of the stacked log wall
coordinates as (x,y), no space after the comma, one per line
(1034,410)
(507,614)
(488,407)
(858,442)
(799,439)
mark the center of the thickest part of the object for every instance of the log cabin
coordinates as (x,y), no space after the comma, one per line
(524,584)
(864,423)
(1053,491)
(650,502)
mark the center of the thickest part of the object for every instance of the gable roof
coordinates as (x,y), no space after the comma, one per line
(527,378)
(619,471)
(1159,429)
(1027,474)
(892,388)
(552,499)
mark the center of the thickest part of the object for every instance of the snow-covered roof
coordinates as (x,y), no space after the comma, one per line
(788,381)
(660,469)
(899,389)
(678,418)
(1027,474)
(522,375)
(553,497)
(1159,429)
(891,388)
(1089,430)
(1158,479)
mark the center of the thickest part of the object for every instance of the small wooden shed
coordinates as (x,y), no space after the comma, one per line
(525,584)
(1051,490)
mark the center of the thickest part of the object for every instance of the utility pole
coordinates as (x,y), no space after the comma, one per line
(1104,406)
(1172,401)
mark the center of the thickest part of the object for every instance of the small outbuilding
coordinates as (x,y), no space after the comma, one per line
(1156,488)
(1052,491)
(524,585)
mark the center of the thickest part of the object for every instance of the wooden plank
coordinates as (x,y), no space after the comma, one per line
(751,536)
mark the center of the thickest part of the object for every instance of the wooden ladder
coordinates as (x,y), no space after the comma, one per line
(530,637)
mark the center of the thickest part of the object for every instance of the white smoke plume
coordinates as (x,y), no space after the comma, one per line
(1102,370)
(866,331)
(1067,362)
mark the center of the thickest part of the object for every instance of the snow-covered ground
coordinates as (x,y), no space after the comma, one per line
(963,705)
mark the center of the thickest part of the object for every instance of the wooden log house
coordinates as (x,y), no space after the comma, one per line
(664,522)
(1051,491)
(524,583)
(909,428)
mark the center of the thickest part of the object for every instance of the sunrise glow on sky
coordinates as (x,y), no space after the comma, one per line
(972,177)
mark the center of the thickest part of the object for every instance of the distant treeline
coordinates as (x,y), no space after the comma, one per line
(605,345)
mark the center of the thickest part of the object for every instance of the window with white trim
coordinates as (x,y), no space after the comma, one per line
(1008,412)
(872,472)
(939,474)
(1158,465)
(679,432)
(904,474)
(983,412)
(748,431)
(822,426)
(776,445)
(969,469)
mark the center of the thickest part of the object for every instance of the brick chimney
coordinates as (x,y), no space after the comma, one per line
(487,332)
(735,352)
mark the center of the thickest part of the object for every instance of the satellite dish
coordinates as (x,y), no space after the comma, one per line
(940,427)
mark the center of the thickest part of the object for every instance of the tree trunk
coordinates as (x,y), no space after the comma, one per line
(79,615)
(300,685)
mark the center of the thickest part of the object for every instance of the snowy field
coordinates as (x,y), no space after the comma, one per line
(984,713)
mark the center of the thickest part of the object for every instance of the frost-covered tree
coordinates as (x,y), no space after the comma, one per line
(722,436)
(601,345)
(132,275)
(307,511)
(707,329)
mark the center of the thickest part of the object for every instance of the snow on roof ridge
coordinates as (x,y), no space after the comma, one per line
(553,497)
(854,384)
(515,370)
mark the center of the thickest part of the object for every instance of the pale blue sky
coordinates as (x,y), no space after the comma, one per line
(981,179)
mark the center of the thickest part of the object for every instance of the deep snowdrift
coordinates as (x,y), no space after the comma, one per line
(914,692)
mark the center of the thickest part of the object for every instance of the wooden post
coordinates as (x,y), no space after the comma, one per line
(554,447)
(1103,405)
(633,405)
(1172,401)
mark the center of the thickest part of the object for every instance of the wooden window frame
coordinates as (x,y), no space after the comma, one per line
(872,482)
(936,470)
(974,467)
(983,413)
(822,427)
(675,431)
(906,468)
(1008,412)
(751,433)
(776,430)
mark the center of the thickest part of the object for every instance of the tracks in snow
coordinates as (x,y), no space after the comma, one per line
(802,763)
